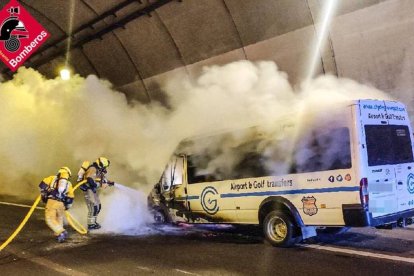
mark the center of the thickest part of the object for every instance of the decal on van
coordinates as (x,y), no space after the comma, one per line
(309,205)
(348,177)
(410,183)
(316,179)
(209,200)
(382,107)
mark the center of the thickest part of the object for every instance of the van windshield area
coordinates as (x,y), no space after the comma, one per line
(388,145)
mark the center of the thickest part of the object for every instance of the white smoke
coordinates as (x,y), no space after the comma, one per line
(243,94)
(124,211)
(47,124)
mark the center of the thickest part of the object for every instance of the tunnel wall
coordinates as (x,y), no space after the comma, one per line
(370,41)
(372,44)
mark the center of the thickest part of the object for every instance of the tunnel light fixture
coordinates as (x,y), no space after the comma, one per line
(65,74)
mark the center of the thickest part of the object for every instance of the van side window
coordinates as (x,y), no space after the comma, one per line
(197,170)
(322,151)
(252,164)
(315,151)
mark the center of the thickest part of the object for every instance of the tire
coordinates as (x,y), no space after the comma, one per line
(159,217)
(279,230)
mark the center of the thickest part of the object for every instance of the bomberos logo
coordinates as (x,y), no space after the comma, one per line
(20,35)
(209,200)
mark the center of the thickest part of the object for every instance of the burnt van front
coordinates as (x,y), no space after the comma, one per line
(385,150)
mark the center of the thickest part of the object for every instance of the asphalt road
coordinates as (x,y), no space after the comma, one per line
(187,250)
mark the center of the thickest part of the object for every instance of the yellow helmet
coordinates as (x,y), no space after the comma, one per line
(65,170)
(102,162)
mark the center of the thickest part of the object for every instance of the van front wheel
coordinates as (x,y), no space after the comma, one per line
(159,217)
(278,229)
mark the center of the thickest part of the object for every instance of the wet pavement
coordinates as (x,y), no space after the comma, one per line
(206,250)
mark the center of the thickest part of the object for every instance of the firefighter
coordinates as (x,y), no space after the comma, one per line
(94,176)
(57,192)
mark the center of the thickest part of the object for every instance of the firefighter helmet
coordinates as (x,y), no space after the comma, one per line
(102,162)
(65,170)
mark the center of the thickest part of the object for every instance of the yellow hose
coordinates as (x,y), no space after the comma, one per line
(26,218)
(77,185)
(75,224)
(72,221)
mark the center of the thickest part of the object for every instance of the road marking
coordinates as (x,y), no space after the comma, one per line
(186,272)
(20,205)
(144,268)
(360,253)
(45,262)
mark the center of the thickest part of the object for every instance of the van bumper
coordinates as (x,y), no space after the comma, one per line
(356,216)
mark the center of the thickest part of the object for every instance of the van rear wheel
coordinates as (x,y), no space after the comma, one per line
(278,229)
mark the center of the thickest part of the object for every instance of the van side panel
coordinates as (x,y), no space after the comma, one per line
(318,200)
(380,154)
(318,195)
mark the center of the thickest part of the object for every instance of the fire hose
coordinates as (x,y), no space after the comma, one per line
(71,220)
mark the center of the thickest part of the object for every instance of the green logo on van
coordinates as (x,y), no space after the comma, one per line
(410,183)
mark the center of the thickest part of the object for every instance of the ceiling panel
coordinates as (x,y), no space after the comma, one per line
(150,45)
(200,28)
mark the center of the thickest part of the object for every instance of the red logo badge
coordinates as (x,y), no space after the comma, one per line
(20,35)
(309,205)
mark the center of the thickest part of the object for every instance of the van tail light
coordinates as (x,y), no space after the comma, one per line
(363,192)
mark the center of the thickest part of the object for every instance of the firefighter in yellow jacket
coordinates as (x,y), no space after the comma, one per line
(94,176)
(57,192)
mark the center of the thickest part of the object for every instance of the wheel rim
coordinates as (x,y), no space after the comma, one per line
(277,229)
(159,217)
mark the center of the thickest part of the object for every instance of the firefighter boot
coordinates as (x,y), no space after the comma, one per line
(94,226)
(62,236)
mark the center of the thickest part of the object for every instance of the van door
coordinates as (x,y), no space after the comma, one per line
(204,195)
(173,187)
(389,155)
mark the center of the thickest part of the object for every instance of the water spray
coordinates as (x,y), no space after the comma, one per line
(125,211)
(124,188)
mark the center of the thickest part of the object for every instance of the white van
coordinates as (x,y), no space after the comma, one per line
(351,166)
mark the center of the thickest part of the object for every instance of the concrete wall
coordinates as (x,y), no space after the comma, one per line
(371,41)
(381,52)
(373,44)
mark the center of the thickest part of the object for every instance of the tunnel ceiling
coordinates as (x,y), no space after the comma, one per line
(129,41)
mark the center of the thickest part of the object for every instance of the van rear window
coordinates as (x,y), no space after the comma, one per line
(388,144)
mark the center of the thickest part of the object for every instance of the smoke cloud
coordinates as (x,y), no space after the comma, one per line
(47,124)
